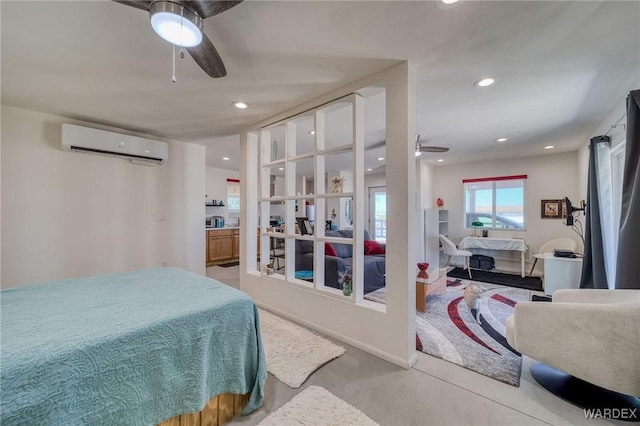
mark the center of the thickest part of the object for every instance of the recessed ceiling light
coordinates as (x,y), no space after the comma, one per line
(369,170)
(281,168)
(380,158)
(312,132)
(440,160)
(502,140)
(549,147)
(241,105)
(146,151)
(449,1)
(484,82)
(225,158)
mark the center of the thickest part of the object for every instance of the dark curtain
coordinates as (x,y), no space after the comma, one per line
(627,271)
(593,269)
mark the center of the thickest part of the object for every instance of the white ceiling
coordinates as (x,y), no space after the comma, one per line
(561,67)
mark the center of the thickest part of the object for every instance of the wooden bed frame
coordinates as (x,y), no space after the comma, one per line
(216,412)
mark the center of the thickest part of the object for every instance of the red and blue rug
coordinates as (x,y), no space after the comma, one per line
(449,331)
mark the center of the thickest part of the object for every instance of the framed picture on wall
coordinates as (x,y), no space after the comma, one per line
(551,209)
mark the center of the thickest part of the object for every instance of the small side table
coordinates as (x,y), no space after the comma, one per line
(436,284)
(561,272)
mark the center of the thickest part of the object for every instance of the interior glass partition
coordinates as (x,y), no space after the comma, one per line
(311,175)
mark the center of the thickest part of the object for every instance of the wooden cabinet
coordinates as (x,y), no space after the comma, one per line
(219,245)
(236,243)
(223,245)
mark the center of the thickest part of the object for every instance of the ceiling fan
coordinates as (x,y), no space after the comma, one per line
(180,23)
(420,148)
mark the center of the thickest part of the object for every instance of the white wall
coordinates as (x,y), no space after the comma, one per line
(69,214)
(216,189)
(551,176)
(425,199)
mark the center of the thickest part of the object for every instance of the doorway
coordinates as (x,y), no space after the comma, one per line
(378,213)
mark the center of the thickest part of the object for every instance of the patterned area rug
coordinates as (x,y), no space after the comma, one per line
(449,331)
(509,280)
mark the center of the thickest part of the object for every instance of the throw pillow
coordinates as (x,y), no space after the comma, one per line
(329,250)
(373,247)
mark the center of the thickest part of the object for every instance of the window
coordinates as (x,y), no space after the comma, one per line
(496,202)
(233,197)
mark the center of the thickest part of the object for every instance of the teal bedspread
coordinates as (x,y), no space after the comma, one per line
(126,349)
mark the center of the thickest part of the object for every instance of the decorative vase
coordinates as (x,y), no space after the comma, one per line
(440,203)
(345,278)
(346,288)
(423,275)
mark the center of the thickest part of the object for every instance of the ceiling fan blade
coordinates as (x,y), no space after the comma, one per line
(433,149)
(208,58)
(142,5)
(208,8)
(375,145)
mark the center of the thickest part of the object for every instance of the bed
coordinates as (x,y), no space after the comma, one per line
(135,348)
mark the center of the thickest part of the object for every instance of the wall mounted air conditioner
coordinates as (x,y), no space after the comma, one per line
(132,148)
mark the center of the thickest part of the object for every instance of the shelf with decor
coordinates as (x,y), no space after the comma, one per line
(436,223)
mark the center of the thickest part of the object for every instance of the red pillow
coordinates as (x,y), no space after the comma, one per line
(373,247)
(329,250)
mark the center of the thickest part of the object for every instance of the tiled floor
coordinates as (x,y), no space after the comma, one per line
(433,392)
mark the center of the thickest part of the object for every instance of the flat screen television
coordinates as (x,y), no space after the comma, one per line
(567,212)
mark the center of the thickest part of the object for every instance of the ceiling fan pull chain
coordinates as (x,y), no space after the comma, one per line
(173,78)
(181,32)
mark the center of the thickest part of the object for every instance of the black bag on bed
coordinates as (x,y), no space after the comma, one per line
(479,261)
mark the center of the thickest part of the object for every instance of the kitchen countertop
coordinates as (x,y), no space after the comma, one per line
(213,228)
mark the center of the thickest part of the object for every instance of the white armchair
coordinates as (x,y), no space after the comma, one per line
(451,250)
(550,246)
(593,335)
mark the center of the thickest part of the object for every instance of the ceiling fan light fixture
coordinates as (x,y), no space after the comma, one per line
(175,23)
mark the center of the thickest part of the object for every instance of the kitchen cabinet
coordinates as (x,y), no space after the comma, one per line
(236,244)
(219,245)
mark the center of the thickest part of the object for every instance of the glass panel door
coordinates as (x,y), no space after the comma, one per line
(378,214)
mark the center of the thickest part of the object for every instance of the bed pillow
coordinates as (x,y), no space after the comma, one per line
(329,250)
(373,247)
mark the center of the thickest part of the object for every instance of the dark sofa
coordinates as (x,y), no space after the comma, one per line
(374,265)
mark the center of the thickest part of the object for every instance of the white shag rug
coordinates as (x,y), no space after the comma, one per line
(316,406)
(292,352)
